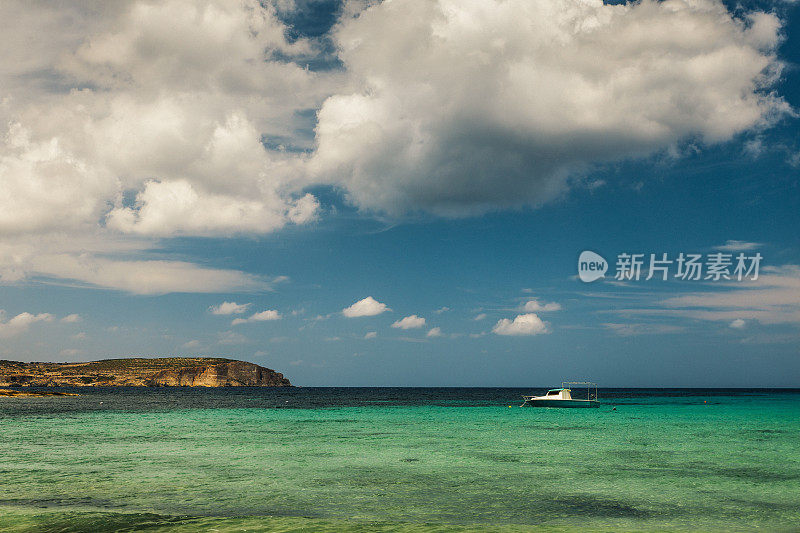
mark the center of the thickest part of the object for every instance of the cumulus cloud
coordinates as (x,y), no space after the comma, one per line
(535,305)
(527,324)
(263,316)
(738,323)
(123,122)
(269,314)
(369,306)
(463,107)
(149,119)
(145,120)
(479,316)
(434,332)
(170,208)
(71,319)
(229,308)
(371,335)
(20,323)
(192,345)
(166,100)
(410,322)
(44,186)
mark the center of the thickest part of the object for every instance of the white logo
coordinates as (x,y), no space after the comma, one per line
(718,266)
(591,266)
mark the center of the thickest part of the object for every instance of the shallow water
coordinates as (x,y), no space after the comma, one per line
(398,460)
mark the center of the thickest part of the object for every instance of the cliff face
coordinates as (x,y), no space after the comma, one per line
(231,374)
(141,372)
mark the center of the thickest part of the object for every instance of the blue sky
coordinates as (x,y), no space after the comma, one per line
(148,181)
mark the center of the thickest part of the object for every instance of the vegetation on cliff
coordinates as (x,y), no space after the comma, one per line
(142,372)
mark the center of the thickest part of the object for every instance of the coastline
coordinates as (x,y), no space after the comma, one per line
(141,372)
(12,393)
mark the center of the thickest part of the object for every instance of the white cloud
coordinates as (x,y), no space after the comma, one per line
(434,332)
(170,208)
(369,306)
(535,305)
(527,324)
(20,323)
(442,310)
(144,277)
(191,345)
(772,299)
(44,186)
(229,308)
(108,263)
(738,323)
(635,329)
(410,322)
(738,246)
(71,319)
(479,316)
(263,316)
(167,99)
(371,335)
(463,107)
(269,314)
(122,123)
(147,119)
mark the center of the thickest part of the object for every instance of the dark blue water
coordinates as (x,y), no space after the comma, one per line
(169,398)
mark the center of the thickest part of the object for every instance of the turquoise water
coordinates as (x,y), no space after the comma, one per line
(398,460)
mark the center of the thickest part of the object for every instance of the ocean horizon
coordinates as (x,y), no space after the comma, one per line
(399,459)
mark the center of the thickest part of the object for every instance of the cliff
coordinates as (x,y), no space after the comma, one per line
(141,372)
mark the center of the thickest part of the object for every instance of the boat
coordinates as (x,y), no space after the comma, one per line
(563,397)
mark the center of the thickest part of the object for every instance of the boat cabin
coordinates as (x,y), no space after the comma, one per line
(558,394)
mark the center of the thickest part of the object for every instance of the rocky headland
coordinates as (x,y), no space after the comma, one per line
(141,372)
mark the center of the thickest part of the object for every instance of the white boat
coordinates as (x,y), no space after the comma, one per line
(563,397)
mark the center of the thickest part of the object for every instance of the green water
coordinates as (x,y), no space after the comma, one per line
(678,463)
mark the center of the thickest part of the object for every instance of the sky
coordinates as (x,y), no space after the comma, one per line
(397,193)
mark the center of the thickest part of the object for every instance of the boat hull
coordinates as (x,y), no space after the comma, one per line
(562,403)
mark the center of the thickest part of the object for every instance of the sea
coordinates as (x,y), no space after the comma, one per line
(399,459)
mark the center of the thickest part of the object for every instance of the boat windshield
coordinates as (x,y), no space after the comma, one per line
(553,393)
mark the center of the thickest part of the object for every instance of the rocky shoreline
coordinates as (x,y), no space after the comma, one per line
(12,393)
(141,372)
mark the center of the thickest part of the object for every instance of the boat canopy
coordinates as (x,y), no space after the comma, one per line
(588,384)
